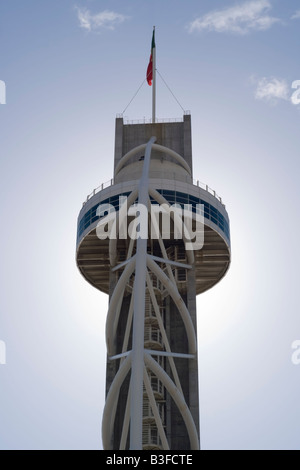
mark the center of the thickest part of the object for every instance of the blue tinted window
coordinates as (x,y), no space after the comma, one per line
(172,197)
(213,211)
(193,200)
(181,199)
(166,192)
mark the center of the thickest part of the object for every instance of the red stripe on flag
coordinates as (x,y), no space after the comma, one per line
(149,75)
(150,71)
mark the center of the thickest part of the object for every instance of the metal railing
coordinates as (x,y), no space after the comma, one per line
(157,387)
(152,335)
(197,183)
(151,439)
(148,413)
(208,189)
(149,121)
(102,186)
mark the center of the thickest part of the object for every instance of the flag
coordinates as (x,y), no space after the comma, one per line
(150,65)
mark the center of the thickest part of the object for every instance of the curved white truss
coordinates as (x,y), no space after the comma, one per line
(174,293)
(176,219)
(157,147)
(115,306)
(136,359)
(111,399)
(177,397)
(121,215)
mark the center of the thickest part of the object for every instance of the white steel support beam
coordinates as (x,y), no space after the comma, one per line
(137,371)
(126,422)
(145,268)
(163,331)
(159,148)
(178,399)
(173,291)
(177,264)
(176,219)
(114,302)
(118,223)
(112,398)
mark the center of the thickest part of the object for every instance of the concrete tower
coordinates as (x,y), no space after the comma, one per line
(152,281)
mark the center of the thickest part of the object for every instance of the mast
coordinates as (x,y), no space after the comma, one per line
(154,77)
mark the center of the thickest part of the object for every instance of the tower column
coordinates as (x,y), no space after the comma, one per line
(136,408)
(151,333)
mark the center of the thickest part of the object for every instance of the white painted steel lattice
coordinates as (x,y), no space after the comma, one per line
(147,361)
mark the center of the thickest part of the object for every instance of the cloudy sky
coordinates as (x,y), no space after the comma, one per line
(66,69)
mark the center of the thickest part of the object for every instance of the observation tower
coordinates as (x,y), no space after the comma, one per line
(134,244)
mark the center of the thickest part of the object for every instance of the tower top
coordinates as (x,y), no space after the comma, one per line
(175,135)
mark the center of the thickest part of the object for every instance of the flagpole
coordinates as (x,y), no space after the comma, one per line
(154,81)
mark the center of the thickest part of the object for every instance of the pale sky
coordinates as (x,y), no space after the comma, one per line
(69,68)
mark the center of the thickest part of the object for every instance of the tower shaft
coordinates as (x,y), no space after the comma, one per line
(152,368)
